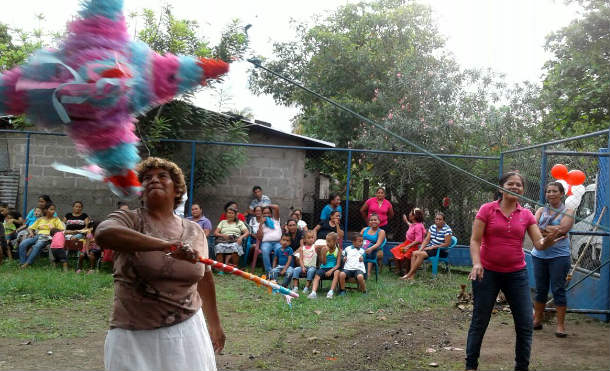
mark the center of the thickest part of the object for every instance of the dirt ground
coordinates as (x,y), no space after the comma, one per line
(398,341)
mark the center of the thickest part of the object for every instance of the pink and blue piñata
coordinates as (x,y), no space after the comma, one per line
(95,84)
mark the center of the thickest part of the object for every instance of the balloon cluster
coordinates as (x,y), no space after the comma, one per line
(572,182)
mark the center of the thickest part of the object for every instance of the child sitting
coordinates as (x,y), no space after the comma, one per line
(9,235)
(307,260)
(329,265)
(282,261)
(353,266)
(58,241)
(90,250)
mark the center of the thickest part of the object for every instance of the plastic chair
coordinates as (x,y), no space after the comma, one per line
(247,247)
(211,252)
(438,259)
(375,263)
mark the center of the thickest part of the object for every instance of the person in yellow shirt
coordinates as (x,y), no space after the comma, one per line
(39,235)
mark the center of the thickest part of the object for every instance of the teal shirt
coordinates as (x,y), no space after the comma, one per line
(331,259)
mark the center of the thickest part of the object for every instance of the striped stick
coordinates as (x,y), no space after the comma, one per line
(256,279)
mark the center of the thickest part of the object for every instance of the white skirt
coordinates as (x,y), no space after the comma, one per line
(183,347)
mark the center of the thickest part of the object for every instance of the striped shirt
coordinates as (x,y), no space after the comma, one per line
(437,236)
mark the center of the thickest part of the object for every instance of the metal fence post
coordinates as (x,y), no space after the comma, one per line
(543,166)
(27,176)
(191,187)
(501,167)
(605,271)
(349,178)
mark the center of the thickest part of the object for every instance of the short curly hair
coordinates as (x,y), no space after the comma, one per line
(174,171)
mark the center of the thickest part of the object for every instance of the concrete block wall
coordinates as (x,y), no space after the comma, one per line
(63,188)
(280,172)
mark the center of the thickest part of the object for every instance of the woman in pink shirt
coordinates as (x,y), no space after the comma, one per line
(380,206)
(413,239)
(498,263)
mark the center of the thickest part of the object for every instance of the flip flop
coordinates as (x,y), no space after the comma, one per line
(560,334)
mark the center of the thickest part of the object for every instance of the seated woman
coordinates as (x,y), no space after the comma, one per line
(334,204)
(76,222)
(439,235)
(374,240)
(233,205)
(32,216)
(229,236)
(269,233)
(296,235)
(297,215)
(39,235)
(414,237)
(333,224)
(256,221)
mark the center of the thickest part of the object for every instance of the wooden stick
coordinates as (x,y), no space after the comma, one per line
(238,272)
(582,253)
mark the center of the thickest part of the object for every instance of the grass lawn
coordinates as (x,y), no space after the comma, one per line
(391,327)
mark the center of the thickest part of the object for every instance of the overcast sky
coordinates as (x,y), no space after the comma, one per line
(504,35)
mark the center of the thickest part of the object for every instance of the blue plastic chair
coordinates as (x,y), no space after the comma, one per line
(248,243)
(438,259)
(374,261)
(211,251)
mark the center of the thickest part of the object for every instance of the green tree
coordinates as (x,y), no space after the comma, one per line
(346,56)
(16,45)
(576,89)
(180,119)
(387,61)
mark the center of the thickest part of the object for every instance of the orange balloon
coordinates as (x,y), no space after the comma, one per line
(569,193)
(576,177)
(559,171)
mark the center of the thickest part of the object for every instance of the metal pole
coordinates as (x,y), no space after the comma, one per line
(543,166)
(501,167)
(605,273)
(587,275)
(27,175)
(585,311)
(193,151)
(349,178)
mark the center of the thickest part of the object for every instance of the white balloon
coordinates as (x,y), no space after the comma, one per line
(565,185)
(578,190)
(572,202)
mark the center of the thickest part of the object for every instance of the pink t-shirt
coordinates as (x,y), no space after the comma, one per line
(502,243)
(58,241)
(382,211)
(416,232)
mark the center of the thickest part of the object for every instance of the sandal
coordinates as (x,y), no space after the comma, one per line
(560,334)
(538,326)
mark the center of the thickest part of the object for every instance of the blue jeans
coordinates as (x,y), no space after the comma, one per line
(311,272)
(275,272)
(515,287)
(551,272)
(266,248)
(35,244)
